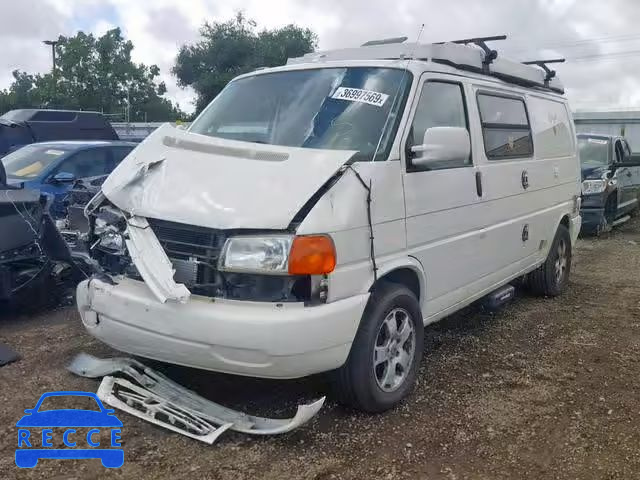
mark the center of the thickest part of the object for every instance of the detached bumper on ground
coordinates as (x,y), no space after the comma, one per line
(245,338)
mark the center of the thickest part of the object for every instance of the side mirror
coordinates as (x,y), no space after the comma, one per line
(3,174)
(442,144)
(64,177)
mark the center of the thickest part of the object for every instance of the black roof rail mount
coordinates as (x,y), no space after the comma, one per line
(489,54)
(543,64)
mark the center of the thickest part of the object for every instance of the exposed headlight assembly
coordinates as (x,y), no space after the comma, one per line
(593,186)
(113,241)
(108,227)
(268,254)
(279,255)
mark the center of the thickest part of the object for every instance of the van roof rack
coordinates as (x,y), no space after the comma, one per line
(489,54)
(551,81)
(470,54)
(543,64)
(385,41)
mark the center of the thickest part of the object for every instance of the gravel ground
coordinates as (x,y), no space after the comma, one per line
(543,389)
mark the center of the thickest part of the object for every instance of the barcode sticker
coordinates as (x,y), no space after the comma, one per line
(358,95)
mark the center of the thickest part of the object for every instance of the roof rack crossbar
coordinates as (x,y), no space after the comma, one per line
(489,54)
(544,65)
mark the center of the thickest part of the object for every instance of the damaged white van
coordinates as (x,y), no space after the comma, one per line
(317,215)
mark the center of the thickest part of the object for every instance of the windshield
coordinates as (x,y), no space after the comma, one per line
(31,160)
(594,152)
(328,108)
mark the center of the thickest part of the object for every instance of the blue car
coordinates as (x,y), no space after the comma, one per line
(53,167)
(33,445)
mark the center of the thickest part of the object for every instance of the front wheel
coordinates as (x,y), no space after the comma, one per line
(552,277)
(383,363)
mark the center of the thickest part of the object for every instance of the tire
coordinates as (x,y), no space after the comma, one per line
(552,277)
(360,383)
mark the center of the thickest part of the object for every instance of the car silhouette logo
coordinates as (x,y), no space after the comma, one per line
(33,445)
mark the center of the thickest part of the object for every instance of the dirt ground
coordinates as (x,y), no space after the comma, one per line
(543,389)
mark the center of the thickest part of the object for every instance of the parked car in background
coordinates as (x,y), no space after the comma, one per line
(25,126)
(610,182)
(53,167)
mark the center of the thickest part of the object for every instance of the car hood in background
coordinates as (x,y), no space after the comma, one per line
(593,173)
(194,179)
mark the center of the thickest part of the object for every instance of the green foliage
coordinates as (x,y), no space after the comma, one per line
(231,48)
(94,74)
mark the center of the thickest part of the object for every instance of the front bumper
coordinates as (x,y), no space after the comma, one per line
(245,338)
(592,220)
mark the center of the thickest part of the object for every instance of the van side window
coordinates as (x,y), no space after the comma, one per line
(505,127)
(441,104)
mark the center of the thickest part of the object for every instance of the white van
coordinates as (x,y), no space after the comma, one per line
(317,215)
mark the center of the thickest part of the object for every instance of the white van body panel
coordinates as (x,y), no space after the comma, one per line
(459,243)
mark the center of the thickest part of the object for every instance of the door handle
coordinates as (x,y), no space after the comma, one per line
(479,183)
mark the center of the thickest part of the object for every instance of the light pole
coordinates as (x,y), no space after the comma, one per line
(53,44)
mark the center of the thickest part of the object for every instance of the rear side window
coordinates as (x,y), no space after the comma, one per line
(505,127)
(551,125)
(54,116)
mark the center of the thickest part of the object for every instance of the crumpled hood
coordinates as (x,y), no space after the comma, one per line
(193,179)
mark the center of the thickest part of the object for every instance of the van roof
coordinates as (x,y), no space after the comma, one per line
(471,55)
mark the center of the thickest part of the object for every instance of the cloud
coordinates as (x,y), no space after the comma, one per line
(23,26)
(535,28)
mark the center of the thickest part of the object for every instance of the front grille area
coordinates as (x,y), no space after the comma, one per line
(186,242)
(194,252)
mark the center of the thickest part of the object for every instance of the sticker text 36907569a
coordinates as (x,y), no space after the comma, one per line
(358,95)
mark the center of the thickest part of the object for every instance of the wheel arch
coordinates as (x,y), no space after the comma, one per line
(408,272)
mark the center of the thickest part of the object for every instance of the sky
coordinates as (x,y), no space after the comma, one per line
(600,39)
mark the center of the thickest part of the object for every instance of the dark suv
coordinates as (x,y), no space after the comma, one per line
(610,182)
(23,127)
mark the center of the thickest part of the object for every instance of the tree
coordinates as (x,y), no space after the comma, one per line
(94,74)
(231,48)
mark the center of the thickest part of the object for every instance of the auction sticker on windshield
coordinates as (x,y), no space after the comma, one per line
(358,95)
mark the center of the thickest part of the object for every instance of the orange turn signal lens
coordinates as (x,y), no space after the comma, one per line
(312,255)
